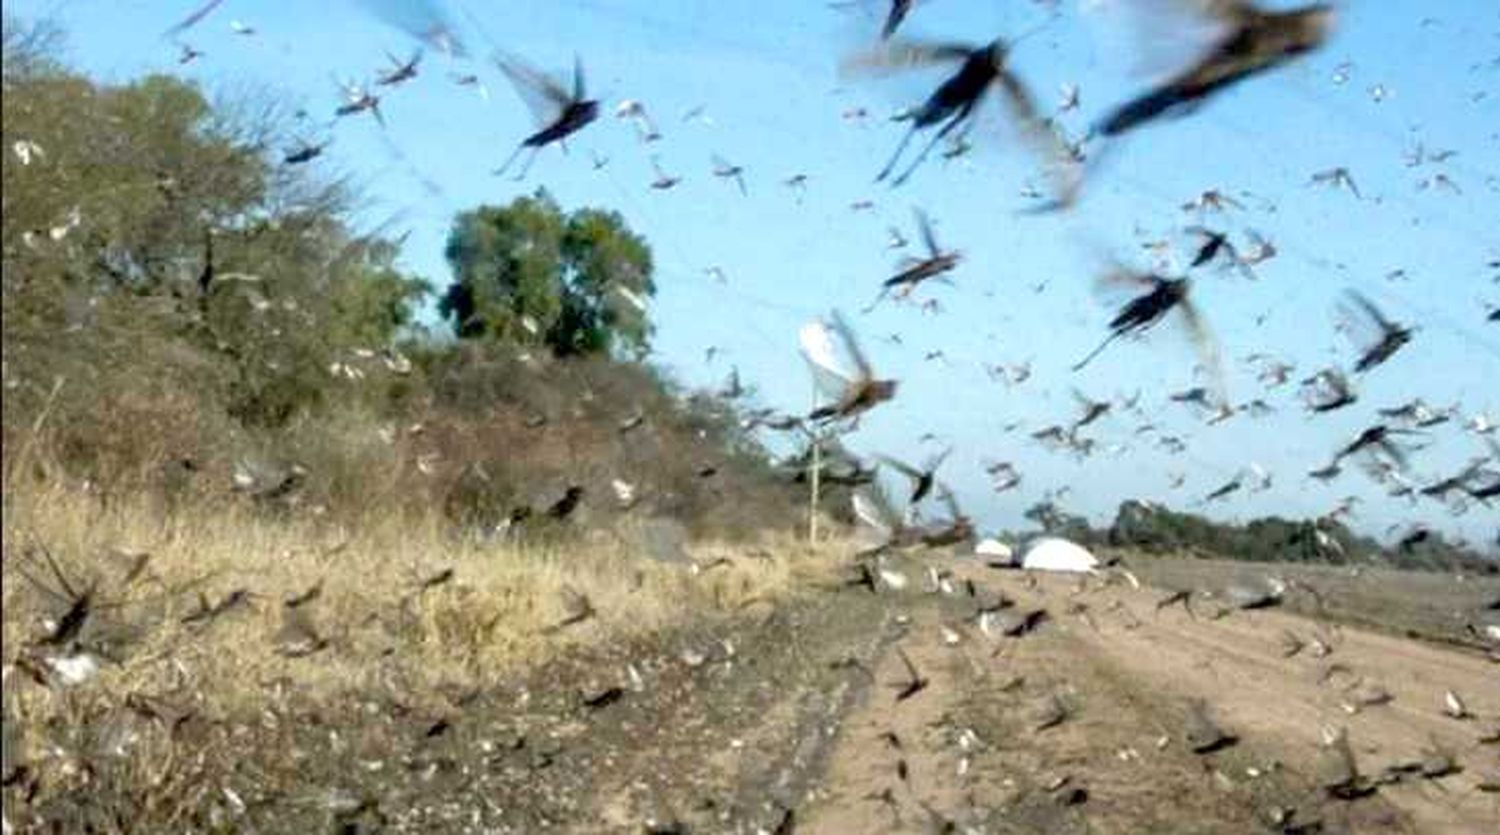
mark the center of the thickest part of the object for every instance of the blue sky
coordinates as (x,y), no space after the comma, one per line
(1396,73)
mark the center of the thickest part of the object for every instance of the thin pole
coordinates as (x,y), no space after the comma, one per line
(817,477)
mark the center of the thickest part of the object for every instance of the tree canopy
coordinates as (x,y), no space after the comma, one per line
(529,273)
(191,307)
(145,208)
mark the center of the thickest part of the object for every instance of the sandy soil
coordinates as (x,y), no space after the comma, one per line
(786,718)
(1126,675)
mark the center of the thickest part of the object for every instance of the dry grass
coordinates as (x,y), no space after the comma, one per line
(383,607)
(413,621)
(131,461)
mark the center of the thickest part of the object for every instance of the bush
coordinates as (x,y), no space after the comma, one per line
(213,315)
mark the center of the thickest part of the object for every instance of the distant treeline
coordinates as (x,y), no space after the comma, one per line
(1154,529)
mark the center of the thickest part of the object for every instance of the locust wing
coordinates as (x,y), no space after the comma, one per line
(1368,308)
(423,20)
(1043,137)
(950,501)
(937,460)
(1361,322)
(901,467)
(833,355)
(544,95)
(831,375)
(193,18)
(851,346)
(874,513)
(900,55)
(924,226)
(1207,348)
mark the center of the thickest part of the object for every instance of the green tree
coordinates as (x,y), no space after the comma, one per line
(530,274)
(146,214)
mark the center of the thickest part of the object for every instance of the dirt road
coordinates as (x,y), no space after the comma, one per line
(1125,675)
(803,716)
(1076,724)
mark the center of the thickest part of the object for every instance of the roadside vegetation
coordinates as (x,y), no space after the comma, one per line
(1149,529)
(242,464)
(190,318)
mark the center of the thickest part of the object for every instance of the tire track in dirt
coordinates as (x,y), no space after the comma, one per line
(802,728)
(976,760)
(736,746)
(1239,665)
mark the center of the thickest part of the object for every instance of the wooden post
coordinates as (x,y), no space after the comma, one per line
(817,478)
(816,481)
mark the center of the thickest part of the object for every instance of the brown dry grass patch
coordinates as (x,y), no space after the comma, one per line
(403,604)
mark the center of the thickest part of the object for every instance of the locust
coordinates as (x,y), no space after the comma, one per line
(953,104)
(840,368)
(305,152)
(1390,336)
(913,271)
(923,479)
(1161,296)
(562,112)
(1255,41)
(400,71)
